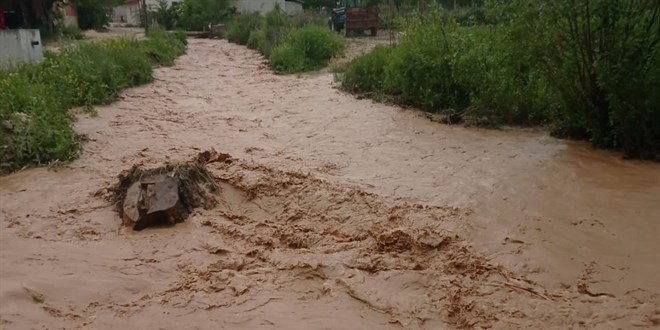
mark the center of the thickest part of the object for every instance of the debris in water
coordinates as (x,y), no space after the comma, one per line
(165,195)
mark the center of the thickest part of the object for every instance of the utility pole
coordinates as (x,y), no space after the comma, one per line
(145,18)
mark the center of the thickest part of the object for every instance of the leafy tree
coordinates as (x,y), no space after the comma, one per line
(602,57)
(167,16)
(197,14)
(94,14)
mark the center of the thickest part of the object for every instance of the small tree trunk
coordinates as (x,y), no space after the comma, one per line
(145,18)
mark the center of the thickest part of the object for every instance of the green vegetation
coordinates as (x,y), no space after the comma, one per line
(586,69)
(241,26)
(292,45)
(70,32)
(93,14)
(190,15)
(195,15)
(36,126)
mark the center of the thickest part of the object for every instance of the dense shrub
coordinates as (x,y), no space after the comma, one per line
(94,14)
(164,47)
(195,15)
(274,28)
(241,26)
(587,69)
(422,70)
(287,58)
(71,32)
(278,37)
(35,127)
(306,49)
(366,73)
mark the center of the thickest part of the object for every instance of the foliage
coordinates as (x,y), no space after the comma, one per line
(288,58)
(306,49)
(422,70)
(94,14)
(366,73)
(240,27)
(601,57)
(167,16)
(587,68)
(164,47)
(71,32)
(274,28)
(36,127)
(292,44)
(195,15)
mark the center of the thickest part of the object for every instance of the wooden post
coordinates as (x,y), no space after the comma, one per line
(145,18)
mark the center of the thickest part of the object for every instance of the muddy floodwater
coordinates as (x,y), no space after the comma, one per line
(335,213)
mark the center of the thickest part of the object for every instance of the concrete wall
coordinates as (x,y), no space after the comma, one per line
(16,46)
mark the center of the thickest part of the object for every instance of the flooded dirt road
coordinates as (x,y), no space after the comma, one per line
(335,213)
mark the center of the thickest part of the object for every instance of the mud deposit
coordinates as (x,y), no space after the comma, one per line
(334,213)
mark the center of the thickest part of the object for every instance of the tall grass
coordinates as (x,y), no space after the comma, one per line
(292,44)
(585,69)
(36,128)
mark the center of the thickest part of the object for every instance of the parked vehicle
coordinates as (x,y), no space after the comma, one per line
(348,16)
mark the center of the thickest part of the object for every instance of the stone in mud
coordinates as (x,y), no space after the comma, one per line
(153,200)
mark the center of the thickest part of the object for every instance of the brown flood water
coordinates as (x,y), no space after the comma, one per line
(336,213)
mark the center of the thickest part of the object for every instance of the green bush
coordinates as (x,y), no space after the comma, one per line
(275,27)
(306,49)
(366,73)
(35,127)
(71,32)
(164,47)
(287,58)
(93,14)
(241,26)
(288,48)
(422,70)
(195,15)
(586,69)
(503,84)
(318,43)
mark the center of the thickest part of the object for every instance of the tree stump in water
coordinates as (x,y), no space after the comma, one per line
(153,200)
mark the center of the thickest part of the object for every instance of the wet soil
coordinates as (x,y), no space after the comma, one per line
(335,213)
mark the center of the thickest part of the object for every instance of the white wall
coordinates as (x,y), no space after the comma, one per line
(262,6)
(17,47)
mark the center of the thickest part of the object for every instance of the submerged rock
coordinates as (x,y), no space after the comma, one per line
(167,194)
(152,201)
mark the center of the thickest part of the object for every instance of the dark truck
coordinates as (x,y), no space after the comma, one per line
(349,16)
